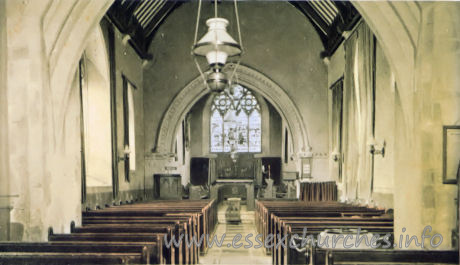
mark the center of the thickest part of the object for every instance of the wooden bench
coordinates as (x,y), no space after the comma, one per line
(185,222)
(283,256)
(149,239)
(189,255)
(169,230)
(283,219)
(265,210)
(58,258)
(124,234)
(203,211)
(384,256)
(149,254)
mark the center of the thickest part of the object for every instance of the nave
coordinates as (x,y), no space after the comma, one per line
(333,116)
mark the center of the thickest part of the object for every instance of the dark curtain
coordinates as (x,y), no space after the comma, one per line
(318,191)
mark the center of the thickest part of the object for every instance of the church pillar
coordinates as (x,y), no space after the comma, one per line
(421,111)
(26,127)
(44,156)
(436,103)
(4,157)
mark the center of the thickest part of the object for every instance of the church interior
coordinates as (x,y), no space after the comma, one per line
(126,124)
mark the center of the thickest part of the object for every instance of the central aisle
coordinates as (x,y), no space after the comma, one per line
(226,254)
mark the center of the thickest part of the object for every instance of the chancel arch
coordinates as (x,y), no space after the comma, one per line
(249,78)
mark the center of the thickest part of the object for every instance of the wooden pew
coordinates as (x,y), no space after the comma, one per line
(385,256)
(290,208)
(149,254)
(284,219)
(265,210)
(203,210)
(284,256)
(186,222)
(304,212)
(122,234)
(207,207)
(57,258)
(152,240)
(182,255)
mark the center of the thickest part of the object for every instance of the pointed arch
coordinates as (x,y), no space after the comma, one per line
(247,77)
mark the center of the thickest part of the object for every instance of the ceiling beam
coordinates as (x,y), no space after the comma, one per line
(161,16)
(330,35)
(319,25)
(311,14)
(122,16)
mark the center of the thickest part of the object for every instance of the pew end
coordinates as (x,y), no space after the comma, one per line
(72,226)
(50,232)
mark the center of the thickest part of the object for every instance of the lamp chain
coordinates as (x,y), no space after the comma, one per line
(238,25)
(197,22)
(239,39)
(202,74)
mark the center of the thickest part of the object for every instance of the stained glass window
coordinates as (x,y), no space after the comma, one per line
(235,122)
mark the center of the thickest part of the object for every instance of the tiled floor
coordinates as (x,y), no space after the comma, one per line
(226,254)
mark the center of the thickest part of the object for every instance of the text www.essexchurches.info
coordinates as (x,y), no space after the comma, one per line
(347,241)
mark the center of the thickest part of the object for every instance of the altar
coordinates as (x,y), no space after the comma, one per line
(226,188)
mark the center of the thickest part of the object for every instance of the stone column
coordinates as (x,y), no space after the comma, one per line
(436,103)
(4,156)
(420,196)
(43,139)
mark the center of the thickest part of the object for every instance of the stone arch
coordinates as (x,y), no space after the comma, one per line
(66,28)
(249,78)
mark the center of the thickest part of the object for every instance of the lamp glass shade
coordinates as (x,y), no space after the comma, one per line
(216,57)
(216,42)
